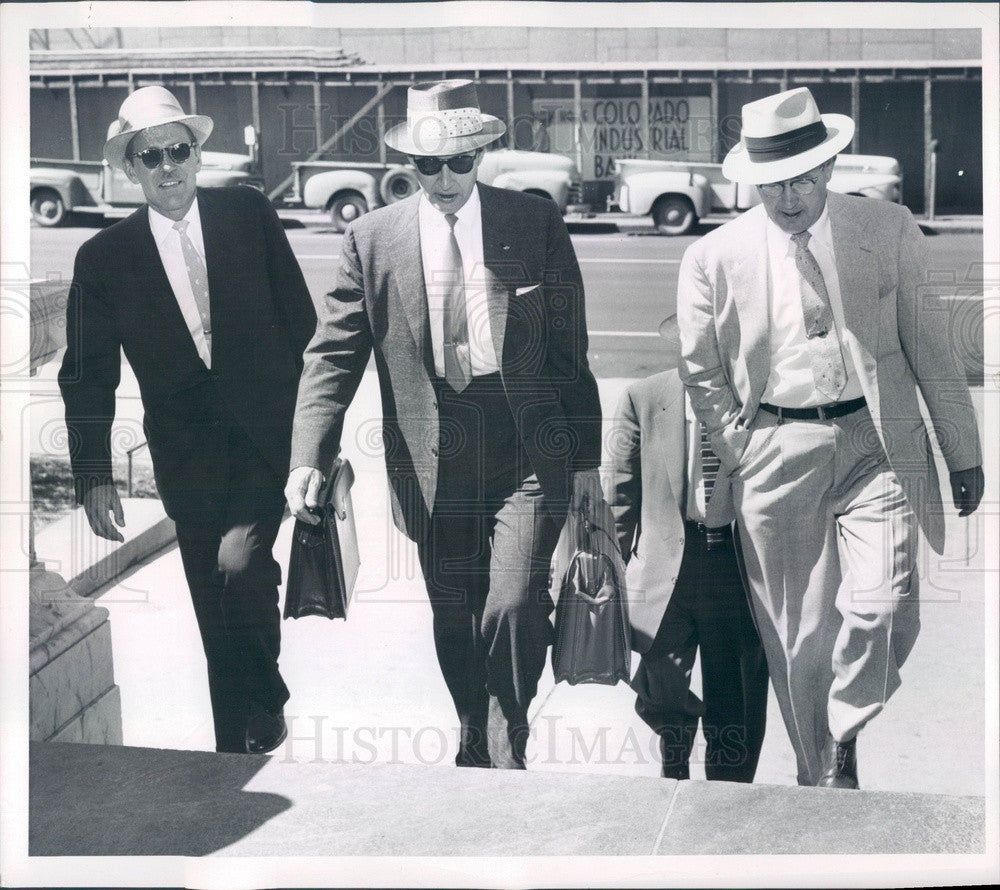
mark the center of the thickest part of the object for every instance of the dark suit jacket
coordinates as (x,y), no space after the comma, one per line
(262,318)
(536,308)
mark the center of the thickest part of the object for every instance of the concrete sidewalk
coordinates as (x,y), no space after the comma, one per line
(369,689)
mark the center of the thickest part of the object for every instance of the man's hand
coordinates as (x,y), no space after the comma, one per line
(98,502)
(587,493)
(302,493)
(967,489)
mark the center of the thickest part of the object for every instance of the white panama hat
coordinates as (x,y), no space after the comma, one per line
(443,119)
(149,107)
(784,136)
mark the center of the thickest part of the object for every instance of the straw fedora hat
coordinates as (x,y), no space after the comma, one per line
(784,136)
(443,119)
(149,107)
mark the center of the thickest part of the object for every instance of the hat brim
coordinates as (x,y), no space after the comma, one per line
(402,139)
(114,149)
(737,167)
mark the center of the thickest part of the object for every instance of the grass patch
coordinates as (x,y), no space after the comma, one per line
(52,487)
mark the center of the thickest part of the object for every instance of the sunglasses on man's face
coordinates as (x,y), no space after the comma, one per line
(432,166)
(152,157)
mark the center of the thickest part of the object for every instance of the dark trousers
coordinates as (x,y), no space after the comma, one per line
(234,580)
(485,558)
(708,610)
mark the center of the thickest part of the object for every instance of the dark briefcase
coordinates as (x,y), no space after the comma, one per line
(324,561)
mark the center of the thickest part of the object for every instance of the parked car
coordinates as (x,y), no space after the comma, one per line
(678,193)
(61,187)
(347,190)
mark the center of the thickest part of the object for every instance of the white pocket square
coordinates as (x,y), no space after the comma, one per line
(523,290)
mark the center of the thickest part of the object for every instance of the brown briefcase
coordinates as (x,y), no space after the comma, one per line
(324,562)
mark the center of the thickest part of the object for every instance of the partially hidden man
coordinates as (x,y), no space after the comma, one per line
(201,290)
(805,346)
(471,300)
(685,591)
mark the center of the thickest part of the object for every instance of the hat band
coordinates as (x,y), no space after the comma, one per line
(775,148)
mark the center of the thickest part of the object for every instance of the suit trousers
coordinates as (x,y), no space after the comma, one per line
(234,578)
(829,543)
(485,558)
(708,610)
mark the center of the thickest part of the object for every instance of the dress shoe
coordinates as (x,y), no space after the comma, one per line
(265,731)
(840,764)
(674,754)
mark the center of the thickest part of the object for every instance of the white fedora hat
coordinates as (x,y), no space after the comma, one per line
(443,119)
(150,107)
(783,136)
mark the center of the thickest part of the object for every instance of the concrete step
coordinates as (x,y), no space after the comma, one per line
(91,800)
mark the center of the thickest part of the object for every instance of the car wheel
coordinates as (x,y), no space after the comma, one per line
(47,207)
(346,208)
(674,215)
(397,184)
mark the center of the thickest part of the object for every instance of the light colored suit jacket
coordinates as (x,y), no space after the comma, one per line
(898,340)
(379,306)
(647,452)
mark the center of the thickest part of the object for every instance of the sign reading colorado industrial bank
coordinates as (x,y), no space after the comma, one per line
(680,129)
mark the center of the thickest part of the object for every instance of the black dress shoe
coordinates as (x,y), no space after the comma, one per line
(265,731)
(840,764)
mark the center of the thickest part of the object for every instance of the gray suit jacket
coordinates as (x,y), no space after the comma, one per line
(647,453)
(900,346)
(379,305)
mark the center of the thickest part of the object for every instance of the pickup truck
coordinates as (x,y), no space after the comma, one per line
(347,190)
(60,187)
(678,193)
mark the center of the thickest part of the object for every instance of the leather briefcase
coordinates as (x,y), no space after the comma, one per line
(324,562)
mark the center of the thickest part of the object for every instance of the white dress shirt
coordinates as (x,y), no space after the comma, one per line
(791,383)
(168,243)
(434,236)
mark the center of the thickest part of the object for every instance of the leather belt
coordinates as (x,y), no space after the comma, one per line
(722,536)
(820,412)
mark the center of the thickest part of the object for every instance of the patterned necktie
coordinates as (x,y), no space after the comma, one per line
(198,275)
(457,364)
(710,472)
(829,371)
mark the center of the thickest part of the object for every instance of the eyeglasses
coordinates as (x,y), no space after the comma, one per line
(432,166)
(799,186)
(152,157)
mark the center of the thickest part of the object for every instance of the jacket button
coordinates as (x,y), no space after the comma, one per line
(434,450)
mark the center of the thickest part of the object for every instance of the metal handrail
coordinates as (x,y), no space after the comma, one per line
(129,454)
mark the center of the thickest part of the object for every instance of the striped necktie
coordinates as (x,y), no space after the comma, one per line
(198,275)
(829,371)
(457,364)
(710,472)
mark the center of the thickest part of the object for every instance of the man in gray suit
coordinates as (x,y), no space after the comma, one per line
(804,349)
(685,591)
(471,299)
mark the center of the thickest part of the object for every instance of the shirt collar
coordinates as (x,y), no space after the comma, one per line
(467,213)
(819,231)
(162,227)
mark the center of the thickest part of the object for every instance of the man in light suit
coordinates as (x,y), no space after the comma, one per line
(804,348)
(201,290)
(684,586)
(471,299)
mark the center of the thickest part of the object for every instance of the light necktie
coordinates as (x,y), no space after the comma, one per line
(198,275)
(709,472)
(829,371)
(457,364)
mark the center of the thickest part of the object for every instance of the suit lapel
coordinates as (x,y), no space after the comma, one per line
(670,435)
(749,286)
(857,274)
(407,270)
(496,260)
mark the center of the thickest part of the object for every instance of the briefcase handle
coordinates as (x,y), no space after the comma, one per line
(343,479)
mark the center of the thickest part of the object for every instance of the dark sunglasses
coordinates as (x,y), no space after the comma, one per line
(152,157)
(432,166)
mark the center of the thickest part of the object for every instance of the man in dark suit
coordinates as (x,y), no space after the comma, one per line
(684,585)
(471,299)
(202,292)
